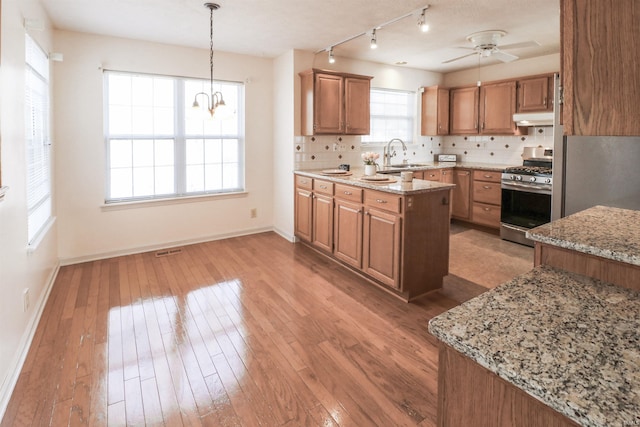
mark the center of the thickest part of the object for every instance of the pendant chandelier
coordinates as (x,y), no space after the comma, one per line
(214,99)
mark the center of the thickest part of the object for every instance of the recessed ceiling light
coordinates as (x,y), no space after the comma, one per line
(401,63)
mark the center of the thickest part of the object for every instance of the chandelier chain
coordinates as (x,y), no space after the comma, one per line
(211,47)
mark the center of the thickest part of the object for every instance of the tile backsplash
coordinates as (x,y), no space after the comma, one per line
(329,151)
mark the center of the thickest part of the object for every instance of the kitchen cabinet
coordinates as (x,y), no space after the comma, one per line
(446,176)
(322,216)
(535,94)
(600,67)
(464,111)
(497,106)
(487,198)
(432,175)
(382,231)
(461,197)
(348,225)
(334,103)
(303,207)
(435,111)
(400,242)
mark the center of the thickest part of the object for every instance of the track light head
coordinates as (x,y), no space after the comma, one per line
(332,59)
(422,22)
(374,39)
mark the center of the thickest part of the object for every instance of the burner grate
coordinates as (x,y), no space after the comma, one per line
(530,170)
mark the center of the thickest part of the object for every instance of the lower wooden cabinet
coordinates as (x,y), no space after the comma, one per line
(461,194)
(348,232)
(400,242)
(487,198)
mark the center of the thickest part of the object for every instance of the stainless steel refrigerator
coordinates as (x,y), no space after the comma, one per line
(589,171)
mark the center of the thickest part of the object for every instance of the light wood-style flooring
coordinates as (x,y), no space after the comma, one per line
(249,331)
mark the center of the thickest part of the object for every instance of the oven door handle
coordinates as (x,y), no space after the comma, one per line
(526,187)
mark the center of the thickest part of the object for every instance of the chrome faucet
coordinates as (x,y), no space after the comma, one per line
(387,154)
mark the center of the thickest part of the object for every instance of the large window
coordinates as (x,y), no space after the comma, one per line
(392,116)
(37,138)
(158,146)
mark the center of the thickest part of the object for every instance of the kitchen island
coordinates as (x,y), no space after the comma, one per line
(393,233)
(551,347)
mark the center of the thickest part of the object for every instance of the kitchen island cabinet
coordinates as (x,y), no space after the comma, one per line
(396,234)
(552,347)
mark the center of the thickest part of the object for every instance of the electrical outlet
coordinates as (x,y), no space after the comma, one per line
(254,213)
(25,300)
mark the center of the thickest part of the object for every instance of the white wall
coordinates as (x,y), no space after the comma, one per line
(19,269)
(88,230)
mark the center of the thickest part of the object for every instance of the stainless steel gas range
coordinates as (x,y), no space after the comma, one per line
(526,197)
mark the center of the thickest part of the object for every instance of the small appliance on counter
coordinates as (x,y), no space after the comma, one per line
(446,157)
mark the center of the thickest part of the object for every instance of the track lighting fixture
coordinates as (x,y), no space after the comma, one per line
(422,22)
(374,39)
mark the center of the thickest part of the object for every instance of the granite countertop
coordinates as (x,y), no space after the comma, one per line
(396,186)
(568,340)
(607,232)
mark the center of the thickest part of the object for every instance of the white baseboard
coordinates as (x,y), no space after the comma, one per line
(150,248)
(290,237)
(6,390)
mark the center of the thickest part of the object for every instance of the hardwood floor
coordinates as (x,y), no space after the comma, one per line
(239,332)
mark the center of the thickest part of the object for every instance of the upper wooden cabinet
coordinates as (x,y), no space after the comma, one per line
(535,94)
(435,111)
(485,110)
(600,67)
(464,110)
(497,106)
(334,103)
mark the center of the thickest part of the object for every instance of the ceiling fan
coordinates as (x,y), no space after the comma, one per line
(485,44)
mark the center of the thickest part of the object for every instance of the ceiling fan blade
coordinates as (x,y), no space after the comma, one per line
(459,57)
(531,43)
(503,56)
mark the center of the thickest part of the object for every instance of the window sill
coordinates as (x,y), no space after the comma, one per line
(3,191)
(118,206)
(33,245)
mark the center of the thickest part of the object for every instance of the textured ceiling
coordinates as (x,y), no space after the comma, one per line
(270,28)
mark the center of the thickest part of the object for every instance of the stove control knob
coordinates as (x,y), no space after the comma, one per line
(532,179)
(547,181)
(518,178)
(512,177)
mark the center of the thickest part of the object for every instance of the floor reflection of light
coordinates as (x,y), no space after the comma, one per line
(177,343)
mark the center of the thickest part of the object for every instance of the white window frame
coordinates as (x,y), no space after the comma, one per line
(37,141)
(179,138)
(380,122)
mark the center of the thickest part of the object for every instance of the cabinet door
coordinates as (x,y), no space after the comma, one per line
(348,232)
(327,104)
(435,111)
(446,175)
(533,95)
(600,68)
(303,214)
(322,236)
(461,194)
(356,106)
(464,111)
(433,175)
(497,105)
(381,259)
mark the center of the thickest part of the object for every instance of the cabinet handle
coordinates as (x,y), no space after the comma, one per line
(324,187)
(486,187)
(488,176)
(544,102)
(475,126)
(483,125)
(348,193)
(380,201)
(358,211)
(487,209)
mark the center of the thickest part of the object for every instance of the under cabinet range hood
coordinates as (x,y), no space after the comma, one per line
(534,119)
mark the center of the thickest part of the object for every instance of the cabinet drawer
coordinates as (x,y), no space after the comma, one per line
(323,187)
(487,192)
(488,215)
(433,175)
(304,182)
(380,200)
(348,192)
(491,176)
